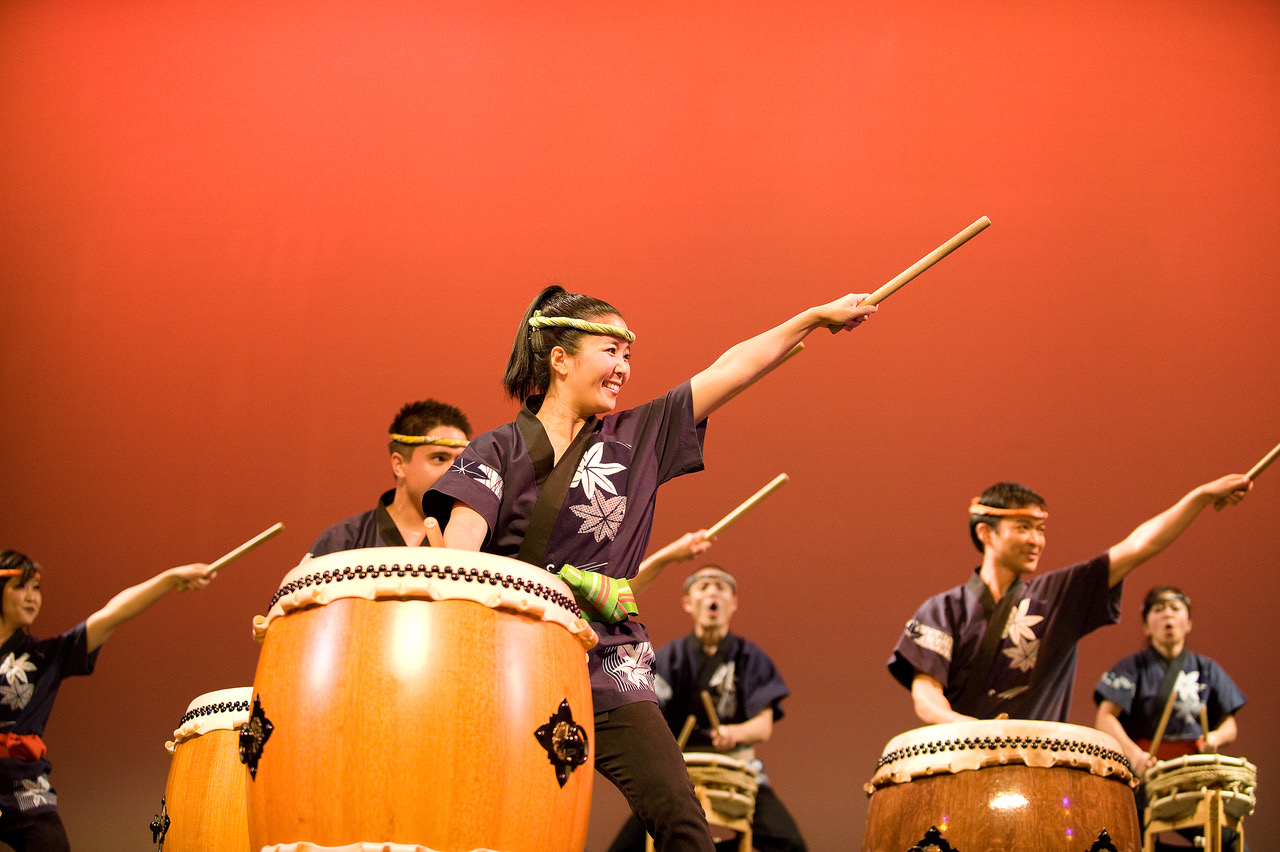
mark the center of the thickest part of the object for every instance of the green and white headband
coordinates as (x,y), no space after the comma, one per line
(539,321)
(427,439)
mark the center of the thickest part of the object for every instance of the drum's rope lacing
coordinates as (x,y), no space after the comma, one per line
(1240,779)
(446,572)
(723,778)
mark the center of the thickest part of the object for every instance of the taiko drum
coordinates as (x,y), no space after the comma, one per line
(985,786)
(420,699)
(204,798)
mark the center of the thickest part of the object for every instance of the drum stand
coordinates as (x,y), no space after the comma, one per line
(741,825)
(1210,816)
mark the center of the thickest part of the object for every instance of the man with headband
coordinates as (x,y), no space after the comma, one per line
(426,436)
(1131,697)
(1005,642)
(746,691)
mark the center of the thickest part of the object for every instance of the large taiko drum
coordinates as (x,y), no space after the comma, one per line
(1002,785)
(420,699)
(204,798)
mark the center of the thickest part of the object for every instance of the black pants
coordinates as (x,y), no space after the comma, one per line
(772,829)
(38,833)
(637,752)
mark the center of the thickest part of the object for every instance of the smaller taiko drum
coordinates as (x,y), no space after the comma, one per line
(727,787)
(1176,787)
(204,798)
(1002,785)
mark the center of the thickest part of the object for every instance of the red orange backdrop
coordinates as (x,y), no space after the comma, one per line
(236,236)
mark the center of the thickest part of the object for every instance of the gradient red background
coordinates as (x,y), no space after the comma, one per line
(236,236)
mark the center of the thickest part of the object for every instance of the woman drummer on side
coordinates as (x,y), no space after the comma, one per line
(31,670)
(569,361)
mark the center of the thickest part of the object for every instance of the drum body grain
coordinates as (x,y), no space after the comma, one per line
(204,795)
(1002,785)
(426,712)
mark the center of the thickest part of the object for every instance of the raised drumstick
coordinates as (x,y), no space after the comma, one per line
(247,546)
(720,526)
(921,265)
(711,709)
(1254,471)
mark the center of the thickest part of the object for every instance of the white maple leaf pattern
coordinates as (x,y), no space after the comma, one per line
(14,669)
(602,516)
(482,473)
(630,666)
(1023,656)
(592,473)
(1018,627)
(34,793)
(1187,690)
(16,695)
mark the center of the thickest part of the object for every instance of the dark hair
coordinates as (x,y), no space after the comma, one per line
(1153,598)
(528,369)
(1002,495)
(12,560)
(419,418)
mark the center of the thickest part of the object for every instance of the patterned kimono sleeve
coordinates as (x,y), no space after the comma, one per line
(1082,598)
(475,478)
(1119,685)
(926,644)
(762,685)
(680,440)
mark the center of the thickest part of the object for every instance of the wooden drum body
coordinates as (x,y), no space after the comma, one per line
(1002,785)
(204,797)
(420,699)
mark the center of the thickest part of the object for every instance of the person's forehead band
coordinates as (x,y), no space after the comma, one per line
(539,321)
(17,572)
(976,508)
(710,574)
(427,439)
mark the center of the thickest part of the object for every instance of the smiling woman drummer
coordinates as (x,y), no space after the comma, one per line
(571,486)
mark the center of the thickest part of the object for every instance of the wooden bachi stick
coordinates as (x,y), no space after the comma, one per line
(686,731)
(921,265)
(247,546)
(720,526)
(711,709)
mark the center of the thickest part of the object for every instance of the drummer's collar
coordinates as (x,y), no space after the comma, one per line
(1038,512)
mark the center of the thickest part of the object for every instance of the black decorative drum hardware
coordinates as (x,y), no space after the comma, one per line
(160,826)
(565,741)
(253,736)
(1103,843)
(933,840)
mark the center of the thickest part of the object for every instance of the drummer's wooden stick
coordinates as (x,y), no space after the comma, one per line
(921,265)
(435,538)
(711,709)
(247,546)
(720,526)
(1164,720)
(1204,725)
(1254,471)
(686,731)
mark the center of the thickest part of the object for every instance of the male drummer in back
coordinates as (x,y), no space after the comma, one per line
(1132,696)
(1005,642)
(426,436)
(746,692)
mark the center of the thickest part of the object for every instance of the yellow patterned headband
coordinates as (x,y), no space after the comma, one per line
(427,439)
(539,321)
(976,508)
